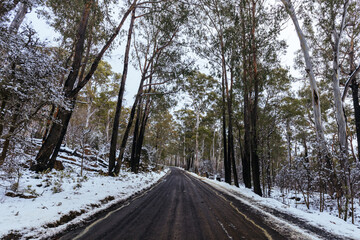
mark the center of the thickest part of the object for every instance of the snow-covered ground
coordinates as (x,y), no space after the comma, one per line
(323,220)
(44,204)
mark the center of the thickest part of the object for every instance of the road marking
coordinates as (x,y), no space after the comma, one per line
(224,229)
(242,214)
(118,209)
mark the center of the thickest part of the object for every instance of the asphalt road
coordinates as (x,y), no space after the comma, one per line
(182,207)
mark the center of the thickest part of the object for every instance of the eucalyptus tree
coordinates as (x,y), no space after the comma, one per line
(158,56)
(201,92)
(253,66)
(330,18)
(76,78)
(211,45)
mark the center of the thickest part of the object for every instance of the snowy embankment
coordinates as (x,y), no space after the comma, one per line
(45,204)
(322,220)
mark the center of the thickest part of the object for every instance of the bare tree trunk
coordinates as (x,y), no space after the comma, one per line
(19,18)
(226,167)
(128,127)
(246,169)
(142,133)
(197,141)
(225,98)
(340,116)
(255,165)
(8,138)
(133,164)
(115,131)
(355,95)
(231,137)
(288,139)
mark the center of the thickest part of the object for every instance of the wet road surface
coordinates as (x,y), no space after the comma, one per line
(182,207)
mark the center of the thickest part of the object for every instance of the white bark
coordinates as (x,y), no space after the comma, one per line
(340,117)
(309,69)
(19,18)
(196,140)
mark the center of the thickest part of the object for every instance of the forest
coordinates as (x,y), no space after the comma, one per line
(213,94)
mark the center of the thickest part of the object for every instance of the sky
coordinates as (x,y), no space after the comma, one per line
(45,32)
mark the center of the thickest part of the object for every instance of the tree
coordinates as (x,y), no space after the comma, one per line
(28,80)
(200,89)
(49,150)
(157,55)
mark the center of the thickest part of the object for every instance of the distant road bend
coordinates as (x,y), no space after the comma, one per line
(184,207)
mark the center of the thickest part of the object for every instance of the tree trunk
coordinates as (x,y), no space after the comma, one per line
(355,96)
(255,166)
(8,138)
(115,131)
(2,114)
(197,141)
(128,127)
(48,122)
(230,135)
(226,165)
(246,169)
(288,139)
(19,18)
(142,133)
(133,164)
(48,152)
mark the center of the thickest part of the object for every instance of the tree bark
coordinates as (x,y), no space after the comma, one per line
(19,18)
(340,116)
(134,166)
(231,136)
(197,141)
(226,165)
(246,169)
(115,131)
(355,96)
(140,139)
(8,138)
(255,166)
(128,127)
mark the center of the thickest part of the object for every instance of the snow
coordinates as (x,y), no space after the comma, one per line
(60,192)
(318,219)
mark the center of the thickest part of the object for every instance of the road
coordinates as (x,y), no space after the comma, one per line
(183,207)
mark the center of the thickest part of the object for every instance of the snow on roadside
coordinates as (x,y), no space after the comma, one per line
(63,193)
(318,219)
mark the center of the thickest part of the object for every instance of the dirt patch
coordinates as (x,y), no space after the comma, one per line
(66,218)
(12,236)
(20,195)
